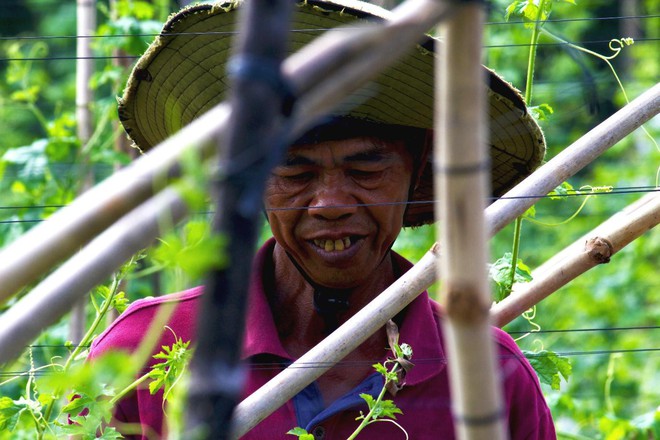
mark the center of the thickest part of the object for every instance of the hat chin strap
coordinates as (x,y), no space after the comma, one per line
(329,303)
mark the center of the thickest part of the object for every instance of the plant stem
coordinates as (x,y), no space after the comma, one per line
(608,384)
(85,340)
(97,320)
(367,418)
(517,231)
(531,58)
(129,388)
(531,63)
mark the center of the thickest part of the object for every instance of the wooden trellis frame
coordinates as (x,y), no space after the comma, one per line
(119,202)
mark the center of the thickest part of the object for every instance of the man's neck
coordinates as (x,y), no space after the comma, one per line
(296,313)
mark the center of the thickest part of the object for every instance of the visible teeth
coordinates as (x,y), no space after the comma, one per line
(333,245)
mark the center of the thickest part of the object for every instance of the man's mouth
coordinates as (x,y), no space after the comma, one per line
(333,245)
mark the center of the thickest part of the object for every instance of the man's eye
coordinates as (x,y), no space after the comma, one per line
(296,176)
(365,174)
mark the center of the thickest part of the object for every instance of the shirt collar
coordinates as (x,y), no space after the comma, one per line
(260,331)
(420,327)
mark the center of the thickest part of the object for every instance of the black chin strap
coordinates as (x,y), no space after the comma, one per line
(329,303)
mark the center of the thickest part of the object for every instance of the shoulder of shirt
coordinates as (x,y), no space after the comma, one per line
(129,328)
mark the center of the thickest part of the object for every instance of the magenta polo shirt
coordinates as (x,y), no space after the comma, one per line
(424,400)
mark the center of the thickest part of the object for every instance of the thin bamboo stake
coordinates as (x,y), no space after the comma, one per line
(37,251)
(86,25)
(57,238)
(596,247)
(461,181)
(53,297)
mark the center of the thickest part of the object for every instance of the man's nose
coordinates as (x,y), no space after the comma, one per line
(332,200)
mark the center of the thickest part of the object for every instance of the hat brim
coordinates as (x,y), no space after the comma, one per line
(183,75)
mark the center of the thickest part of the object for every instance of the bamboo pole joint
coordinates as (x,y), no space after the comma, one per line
(600,249)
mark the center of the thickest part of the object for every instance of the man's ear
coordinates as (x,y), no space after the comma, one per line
(427,148)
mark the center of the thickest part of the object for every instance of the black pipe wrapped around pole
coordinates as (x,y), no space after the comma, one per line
(260,101)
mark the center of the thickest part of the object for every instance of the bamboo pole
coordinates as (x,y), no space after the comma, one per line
(85,27)
(256,407)
(596,247)
(53,297)
(121,192)
(354,332)
(573,158)
(368,48)
(632,222)
(37,251)
(73,226)
(461,181)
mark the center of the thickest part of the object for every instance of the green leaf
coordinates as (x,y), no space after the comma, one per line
(29,94)
(195,250)
(541,112)
(560,192)
(380,368)
(10,413)
(78,404)
(31,158)
(550,367)
(110,433)
(369,399)
(165,374)
(386,409)
(530,213)
(301,433)
(500,273)
(120,302)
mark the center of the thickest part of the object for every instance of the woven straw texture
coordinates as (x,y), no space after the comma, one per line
(183,74)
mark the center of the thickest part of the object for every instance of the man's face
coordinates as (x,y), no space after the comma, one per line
(330,206)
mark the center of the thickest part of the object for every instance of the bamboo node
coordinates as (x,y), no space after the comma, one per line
(464,304)
(599,249)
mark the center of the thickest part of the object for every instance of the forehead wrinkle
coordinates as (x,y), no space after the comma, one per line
(293,160)
(372,152)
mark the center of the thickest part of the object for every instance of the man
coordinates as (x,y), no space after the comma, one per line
(335,208)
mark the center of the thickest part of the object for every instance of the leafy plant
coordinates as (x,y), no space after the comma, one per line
(380,409)
(550,367)
(500,273)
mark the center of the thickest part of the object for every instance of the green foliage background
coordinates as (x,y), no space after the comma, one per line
(614,390)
